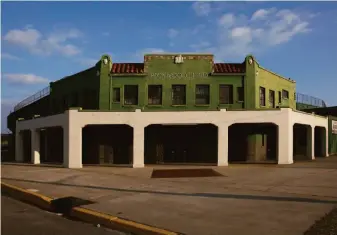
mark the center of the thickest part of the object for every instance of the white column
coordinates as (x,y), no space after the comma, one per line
(35,142)
(285,141)
(311,142)
(138,146)
(222,145)
(18,146)
(72,146)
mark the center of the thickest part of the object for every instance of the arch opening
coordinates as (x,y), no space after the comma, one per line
(302,142)
(253,143)
(107,144)
(320,141)
(181,144)
(51,145)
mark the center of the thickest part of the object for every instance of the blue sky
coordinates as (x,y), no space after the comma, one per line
(45,41)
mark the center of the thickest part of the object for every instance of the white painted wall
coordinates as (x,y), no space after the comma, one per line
(73,121)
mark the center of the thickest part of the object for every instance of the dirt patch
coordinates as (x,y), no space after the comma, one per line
(327,225)
(180,173)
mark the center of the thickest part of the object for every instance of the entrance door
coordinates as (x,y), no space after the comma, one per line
(109,155)
(106,154)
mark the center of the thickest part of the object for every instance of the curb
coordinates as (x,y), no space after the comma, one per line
(84,214)
(21,194)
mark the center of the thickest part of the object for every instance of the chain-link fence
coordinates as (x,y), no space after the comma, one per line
(38,95)
(309,100)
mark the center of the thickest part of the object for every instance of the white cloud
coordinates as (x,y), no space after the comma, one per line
(172,33)
(202,8)
(239,35)
(25,79)
(236,35)
(9,56)
(262,13)
(34,41)
(227,20)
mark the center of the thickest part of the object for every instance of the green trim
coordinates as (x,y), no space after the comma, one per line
(202,105)
(154,105)
(227,74)
(128,74)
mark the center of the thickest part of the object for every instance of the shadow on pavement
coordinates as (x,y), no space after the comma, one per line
(207,195)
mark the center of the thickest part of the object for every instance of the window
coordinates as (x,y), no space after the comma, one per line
(116,95)
(285,94)
(226,94)
(131,95)
(262,96)
(154,94)
(202,94)
(279,97)
(272,98)
(241,94)
(178,94)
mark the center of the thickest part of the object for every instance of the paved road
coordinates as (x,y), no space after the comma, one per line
(18,218)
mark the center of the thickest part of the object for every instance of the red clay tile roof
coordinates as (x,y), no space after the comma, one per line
(138,68)
(127,68)
(229,68)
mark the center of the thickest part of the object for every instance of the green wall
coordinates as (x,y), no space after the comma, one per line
(332,137)
(301,106)
(78,90)
(194,71)
(39,107)
(272,81)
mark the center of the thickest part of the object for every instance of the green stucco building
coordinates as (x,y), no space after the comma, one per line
(168,87)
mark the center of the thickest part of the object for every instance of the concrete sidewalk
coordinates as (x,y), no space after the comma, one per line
(248,199)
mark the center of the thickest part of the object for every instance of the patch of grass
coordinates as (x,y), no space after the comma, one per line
(327,225)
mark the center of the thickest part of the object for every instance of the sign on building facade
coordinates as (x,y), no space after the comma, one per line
(334,127)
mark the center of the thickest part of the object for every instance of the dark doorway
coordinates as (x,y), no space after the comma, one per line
(51,145)
(181,144)
(252,142)
(320,141)
(26,145)
(107,144)
(301,142)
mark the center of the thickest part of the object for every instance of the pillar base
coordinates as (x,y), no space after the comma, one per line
(222,164)
(285,162)
(138,166)
(73,166)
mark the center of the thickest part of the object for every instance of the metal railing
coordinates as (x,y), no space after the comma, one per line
(31,99)
(309,100)
(300,98)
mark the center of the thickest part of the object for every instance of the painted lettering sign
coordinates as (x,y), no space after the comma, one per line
(334,127)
